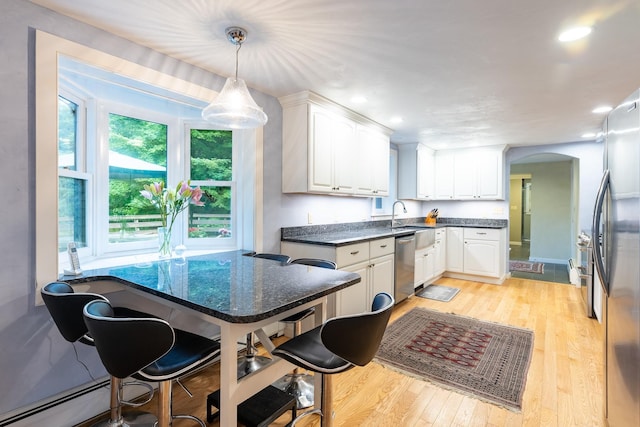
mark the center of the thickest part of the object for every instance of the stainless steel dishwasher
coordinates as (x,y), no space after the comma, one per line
(406,260)
(405,265)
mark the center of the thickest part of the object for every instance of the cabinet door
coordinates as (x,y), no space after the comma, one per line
(444,175)
(372,162)
(481,257)
(380,164)
(429,265)
(321,151)
(464,186)
(354,299)
(382,278)
(440,252)
(344,151)
(425,173)
(455,249)
(419,271)
(489,175)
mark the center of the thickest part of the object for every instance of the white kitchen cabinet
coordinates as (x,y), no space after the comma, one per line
(322,144)
(372,159)
(445,175)
(373,261)
(478,174)
(476,252)
(439,253)
(482,251)
(455,250)
(424,266)
(416,172)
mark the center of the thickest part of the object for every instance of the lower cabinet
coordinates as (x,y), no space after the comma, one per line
(377,276)
(476,251)
(373,261)
(425,266)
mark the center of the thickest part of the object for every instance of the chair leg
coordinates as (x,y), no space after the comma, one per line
(116,419)
(326,409)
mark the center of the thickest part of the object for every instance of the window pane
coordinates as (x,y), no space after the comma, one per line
(137,156)
(72,215)
(67,127)
(211,155)
(214,218)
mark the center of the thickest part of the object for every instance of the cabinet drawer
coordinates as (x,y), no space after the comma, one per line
(482,233)
(381,247)
(347,255)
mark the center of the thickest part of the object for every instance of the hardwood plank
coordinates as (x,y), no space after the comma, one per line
(564,382)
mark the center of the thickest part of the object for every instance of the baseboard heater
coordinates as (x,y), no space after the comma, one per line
(59,400)
(574,274)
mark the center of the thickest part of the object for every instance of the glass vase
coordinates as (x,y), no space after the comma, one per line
(164,242)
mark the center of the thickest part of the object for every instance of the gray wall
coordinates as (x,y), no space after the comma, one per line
(35,362)
(551,225)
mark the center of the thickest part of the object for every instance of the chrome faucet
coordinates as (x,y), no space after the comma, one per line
(393,211)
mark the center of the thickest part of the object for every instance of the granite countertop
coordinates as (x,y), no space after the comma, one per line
(227,285)
(350,233)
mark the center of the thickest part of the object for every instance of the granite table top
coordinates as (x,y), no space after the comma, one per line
(227,285)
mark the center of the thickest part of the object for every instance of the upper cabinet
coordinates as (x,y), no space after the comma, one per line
(416,172)
(328,149)
(461,174)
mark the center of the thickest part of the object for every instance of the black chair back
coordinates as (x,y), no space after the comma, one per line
(356,338)
(275,257)
(65,307)
(316,262)
(126,345)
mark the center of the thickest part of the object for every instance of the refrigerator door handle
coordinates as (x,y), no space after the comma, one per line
(596,241)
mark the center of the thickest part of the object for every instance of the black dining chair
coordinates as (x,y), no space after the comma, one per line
(251,361)
(298,383)
(338,345)
(153,352)
(65,307)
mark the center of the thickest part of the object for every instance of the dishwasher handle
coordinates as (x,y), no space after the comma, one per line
(405,241)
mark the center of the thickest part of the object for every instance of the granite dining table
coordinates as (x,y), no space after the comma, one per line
(240,294)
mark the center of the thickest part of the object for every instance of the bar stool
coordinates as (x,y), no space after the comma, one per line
(298,383)
(65,306)
(154,353)
(338,345)
(251,361)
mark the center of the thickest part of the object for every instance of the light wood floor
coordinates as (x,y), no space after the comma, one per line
(564,385)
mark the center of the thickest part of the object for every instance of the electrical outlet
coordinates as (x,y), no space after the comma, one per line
(309,218)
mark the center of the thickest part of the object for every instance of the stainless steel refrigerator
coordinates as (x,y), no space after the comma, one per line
(616,234)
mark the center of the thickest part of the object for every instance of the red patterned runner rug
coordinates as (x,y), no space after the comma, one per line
(482,359)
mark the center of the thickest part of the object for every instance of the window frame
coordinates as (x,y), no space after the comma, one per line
(48,48)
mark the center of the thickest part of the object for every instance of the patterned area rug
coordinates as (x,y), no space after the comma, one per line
(526,266)
(486,360)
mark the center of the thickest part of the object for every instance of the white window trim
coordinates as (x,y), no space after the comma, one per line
(48,48)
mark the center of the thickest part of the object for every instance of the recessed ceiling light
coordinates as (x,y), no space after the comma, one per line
(396,119)
(574,34)
(602,110)
(358,99)
(589,135)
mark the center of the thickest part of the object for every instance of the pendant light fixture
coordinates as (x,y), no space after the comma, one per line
(234,108)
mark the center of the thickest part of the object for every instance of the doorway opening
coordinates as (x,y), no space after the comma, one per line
(543,216)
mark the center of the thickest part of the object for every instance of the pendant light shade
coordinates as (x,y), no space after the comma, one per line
(234,108)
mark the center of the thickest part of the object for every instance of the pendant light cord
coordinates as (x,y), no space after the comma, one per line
(237,50)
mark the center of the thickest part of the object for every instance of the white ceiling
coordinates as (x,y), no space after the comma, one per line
(458,72)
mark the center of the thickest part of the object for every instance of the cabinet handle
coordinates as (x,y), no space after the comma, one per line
(383,246)
(480,234)
(355,252)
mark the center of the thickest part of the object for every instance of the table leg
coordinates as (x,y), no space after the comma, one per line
(228,376)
